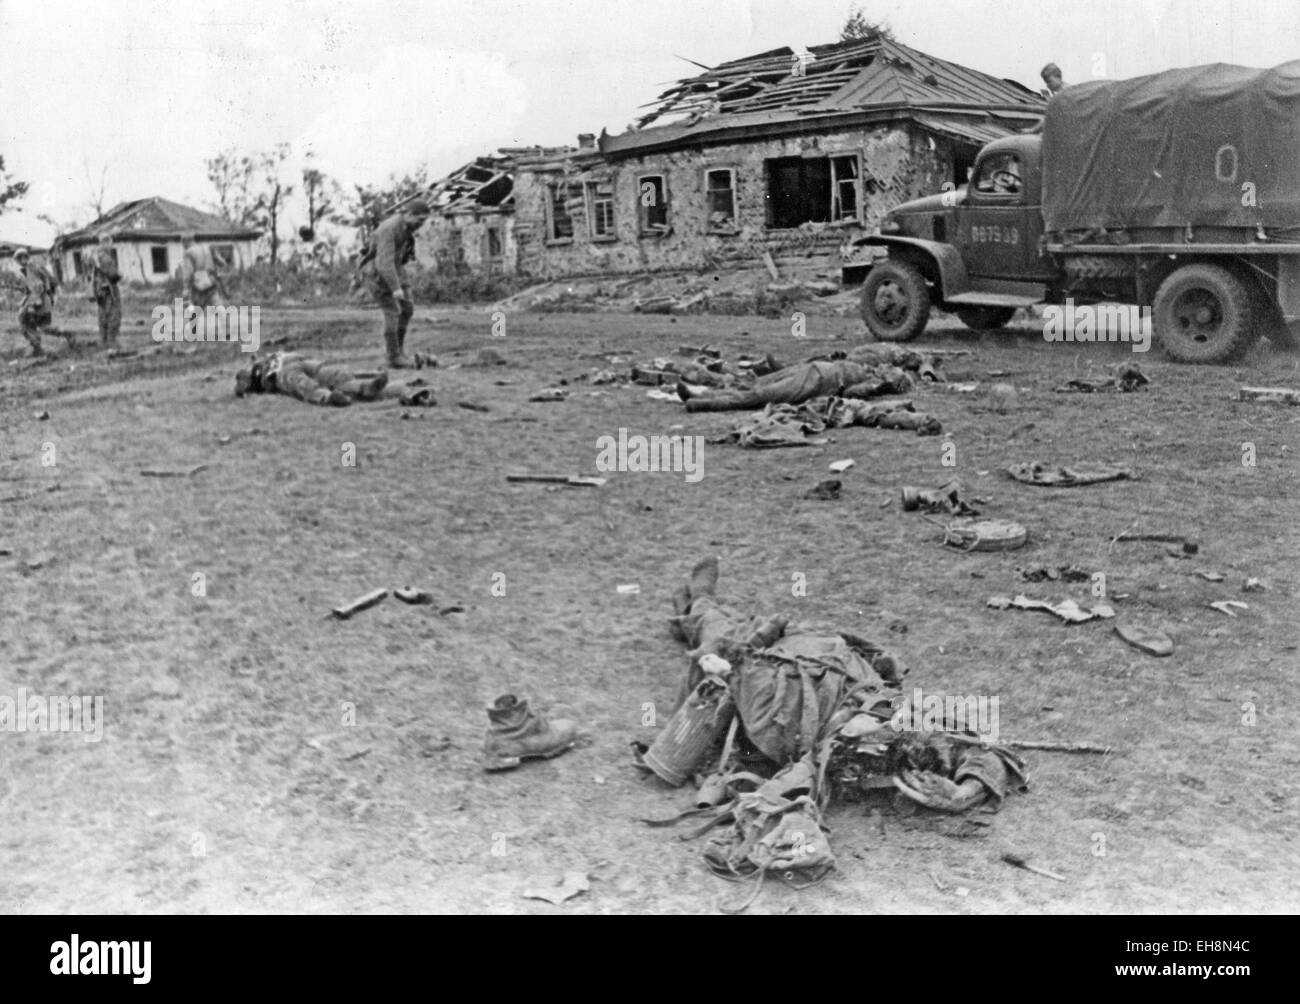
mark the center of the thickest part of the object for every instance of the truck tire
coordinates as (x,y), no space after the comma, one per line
(895,301)
(985,318)
(1203,314)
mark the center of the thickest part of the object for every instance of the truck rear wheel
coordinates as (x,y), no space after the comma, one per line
(1203,314)
(985,318)
(895,301)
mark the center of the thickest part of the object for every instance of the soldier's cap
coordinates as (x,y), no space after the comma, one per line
(418,207)
(22,253)
(1050,68)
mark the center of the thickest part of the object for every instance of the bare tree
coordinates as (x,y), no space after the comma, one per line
(96,189)
(858,28)
(269,203)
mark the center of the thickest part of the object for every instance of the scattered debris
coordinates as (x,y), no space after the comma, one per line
(188,472)
(1269,395)
(1211,576)
(1048,746)
(1003,396)
(1054,573)
(1066,609)
(1047,475)
(576,480)
(663,395)
(487,357)
(1019,862)
(628,589)
(423,359)
(1252,585)
(1126,377)
(1225,606)
(42,416)
(840,466)
(472,406)
(1146,639)
(569,885)
(985,535)
(550,394)
(416,597)
(946,498)
(825,491)
(39,561)
(1189,545)
(361,603)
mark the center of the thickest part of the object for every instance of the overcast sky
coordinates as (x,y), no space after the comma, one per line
(148,89)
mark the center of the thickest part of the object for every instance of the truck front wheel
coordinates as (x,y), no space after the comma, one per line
(1203,314)
(895,301)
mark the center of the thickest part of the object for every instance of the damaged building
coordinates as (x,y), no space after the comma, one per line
(472,225)
(782,152)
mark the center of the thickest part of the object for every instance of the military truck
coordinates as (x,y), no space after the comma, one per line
(1178,192)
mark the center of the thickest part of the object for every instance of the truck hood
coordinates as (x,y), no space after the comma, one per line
(931,204)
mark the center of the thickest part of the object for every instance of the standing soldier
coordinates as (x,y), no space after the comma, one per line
(391,247)
(107,295)
(199,278)
(36,312)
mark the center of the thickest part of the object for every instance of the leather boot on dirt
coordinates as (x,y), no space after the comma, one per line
(393,345)
(516,734)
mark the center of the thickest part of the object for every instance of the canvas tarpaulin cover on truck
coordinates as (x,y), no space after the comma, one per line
(1175,149)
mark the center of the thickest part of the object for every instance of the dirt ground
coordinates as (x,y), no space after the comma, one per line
(260,757)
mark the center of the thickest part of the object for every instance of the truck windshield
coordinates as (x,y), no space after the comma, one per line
(999,174)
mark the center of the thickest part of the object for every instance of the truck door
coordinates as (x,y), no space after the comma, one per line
(1000,221)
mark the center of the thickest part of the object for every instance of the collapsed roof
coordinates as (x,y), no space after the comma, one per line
(782,91)
(485,183)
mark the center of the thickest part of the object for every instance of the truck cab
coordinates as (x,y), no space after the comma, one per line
(995,221)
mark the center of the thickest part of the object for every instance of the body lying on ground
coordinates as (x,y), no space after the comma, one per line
(806,713)
(319,382)
(867,371)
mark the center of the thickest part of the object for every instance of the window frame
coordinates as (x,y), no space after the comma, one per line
(593,202)
(154,250)
(499,233)
(643,226)
(837,184)
(554,189)
(734,226)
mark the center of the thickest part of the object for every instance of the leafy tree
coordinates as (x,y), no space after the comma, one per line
(323,197)
(231,175)
(10,190)
(858,28)
(371,203)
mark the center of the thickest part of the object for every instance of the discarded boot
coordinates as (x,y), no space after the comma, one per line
(516,734)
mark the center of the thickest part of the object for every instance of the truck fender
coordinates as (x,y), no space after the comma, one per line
(940,263)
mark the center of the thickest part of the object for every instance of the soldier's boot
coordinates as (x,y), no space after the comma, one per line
(393,343)
(34,340)
(516,734)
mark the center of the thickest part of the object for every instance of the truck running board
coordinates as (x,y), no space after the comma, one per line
(976,298)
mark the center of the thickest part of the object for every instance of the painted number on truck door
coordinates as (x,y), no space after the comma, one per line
(994,234)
